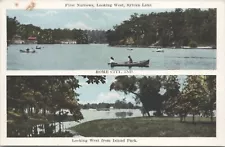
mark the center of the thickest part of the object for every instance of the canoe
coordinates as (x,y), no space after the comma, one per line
(23,51)
(144,63)
(38,47)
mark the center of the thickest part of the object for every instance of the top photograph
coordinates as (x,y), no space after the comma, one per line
(117,39)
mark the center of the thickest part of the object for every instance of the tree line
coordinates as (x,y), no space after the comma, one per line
(51,36)
(189,27)
(119,104)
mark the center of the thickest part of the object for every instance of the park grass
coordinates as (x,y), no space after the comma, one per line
(147,127)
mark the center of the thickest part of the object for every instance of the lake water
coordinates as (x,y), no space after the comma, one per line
(90,115)
(96,56)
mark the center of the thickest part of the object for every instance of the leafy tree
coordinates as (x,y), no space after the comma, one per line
(176,28)
(34,100)
(171,86)
(145,89)
(12,26)
(49,36)
(198,96)
(210,96)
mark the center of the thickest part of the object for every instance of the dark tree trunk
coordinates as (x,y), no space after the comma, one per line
(36,111)
(44,112)
(181,119)
(158,112)
(31,110)
(193,118)
(211,110)
(211,115)
(147,111)
(60,129)
(148,114)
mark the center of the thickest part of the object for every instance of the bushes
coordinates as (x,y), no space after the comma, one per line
(193,44)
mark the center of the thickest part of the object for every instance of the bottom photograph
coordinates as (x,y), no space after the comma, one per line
(111,106)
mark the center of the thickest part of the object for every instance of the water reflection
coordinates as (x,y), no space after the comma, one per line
(93,114)
(123,114)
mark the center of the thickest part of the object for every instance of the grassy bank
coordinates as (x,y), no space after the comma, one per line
(146,127)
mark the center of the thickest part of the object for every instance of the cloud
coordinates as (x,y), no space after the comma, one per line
(108,97)
(47,13)
(78,25)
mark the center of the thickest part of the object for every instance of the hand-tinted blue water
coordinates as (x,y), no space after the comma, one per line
(90,115)
(96,56)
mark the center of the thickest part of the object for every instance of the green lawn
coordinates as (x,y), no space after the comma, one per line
(147,127)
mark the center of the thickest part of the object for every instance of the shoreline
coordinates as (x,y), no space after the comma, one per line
(130,46)
(159,47)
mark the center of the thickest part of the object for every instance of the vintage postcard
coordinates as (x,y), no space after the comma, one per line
(119,73)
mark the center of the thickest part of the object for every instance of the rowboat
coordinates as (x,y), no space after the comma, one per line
(159,50)
(144,63)
(23,51)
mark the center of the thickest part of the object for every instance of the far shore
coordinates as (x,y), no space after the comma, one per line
(132,46)
(168,47)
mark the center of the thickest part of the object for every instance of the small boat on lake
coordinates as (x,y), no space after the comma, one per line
(144,63)
(159,50)
(25,51)
(38,47)
(130,49)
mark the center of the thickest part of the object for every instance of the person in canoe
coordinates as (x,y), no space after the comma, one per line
(130,59)
(28,51)
(38,47)
(111,60)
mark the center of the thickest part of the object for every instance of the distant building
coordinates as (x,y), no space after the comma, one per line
(32,40)
(68,42)
(17,40)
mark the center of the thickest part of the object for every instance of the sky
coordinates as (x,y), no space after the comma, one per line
(100,19)
(97,93)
